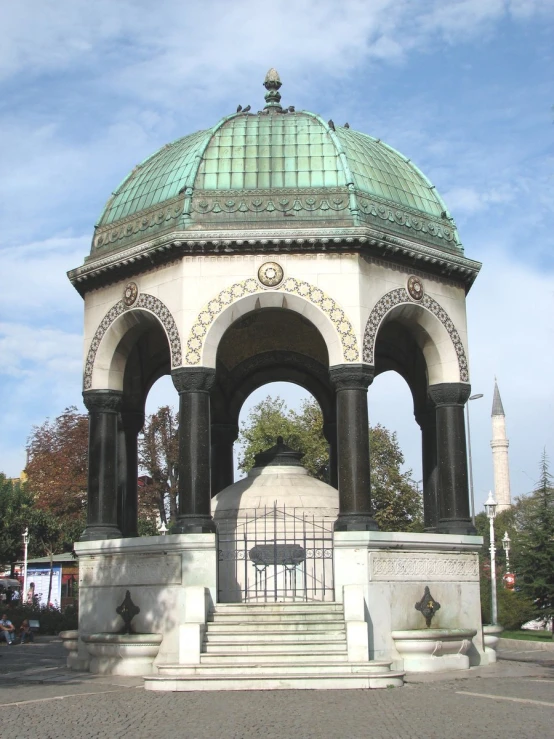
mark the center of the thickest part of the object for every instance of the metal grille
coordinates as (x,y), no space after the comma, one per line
(275,554)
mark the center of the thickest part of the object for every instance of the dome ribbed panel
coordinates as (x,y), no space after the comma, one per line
(270,151)
(158,179)
(380,171)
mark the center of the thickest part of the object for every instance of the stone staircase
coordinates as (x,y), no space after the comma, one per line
(265,646)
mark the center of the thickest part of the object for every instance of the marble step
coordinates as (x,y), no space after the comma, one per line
(281,608)
(277,636)
(276,667)
(249,627)
(330,681)
(308,616)
(274,647)
(252,657)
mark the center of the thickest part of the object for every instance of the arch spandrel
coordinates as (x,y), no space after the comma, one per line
(432,328)
(238,299)
(116,335)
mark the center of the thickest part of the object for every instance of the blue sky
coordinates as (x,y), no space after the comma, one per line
(462,87)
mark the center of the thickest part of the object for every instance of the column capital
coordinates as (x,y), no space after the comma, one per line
(450,393)
(103,401)
(133,420)
(193,379)
(351,376)
(224,432)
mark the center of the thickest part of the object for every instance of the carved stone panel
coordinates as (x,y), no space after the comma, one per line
(130,571)
(415,567)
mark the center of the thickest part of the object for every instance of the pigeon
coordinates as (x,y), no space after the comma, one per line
(332,126)
(239,108)
(347,125)
(291,108)
(247,109)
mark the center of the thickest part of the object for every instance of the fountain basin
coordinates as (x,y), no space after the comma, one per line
(434,650)
(122,654)
(491,635)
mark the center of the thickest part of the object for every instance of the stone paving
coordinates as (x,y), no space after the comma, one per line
(40,699)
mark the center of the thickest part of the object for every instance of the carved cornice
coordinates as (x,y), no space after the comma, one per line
(449,393)
(193,379)
(351,376)
(103,401)
(139,258)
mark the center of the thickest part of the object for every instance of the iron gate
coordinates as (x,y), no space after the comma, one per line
(273,554)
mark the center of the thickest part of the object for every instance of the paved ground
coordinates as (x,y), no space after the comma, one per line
(40,699)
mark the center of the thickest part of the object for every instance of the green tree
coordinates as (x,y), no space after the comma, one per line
(15,507)
(159,458)
(533,553)
(396,502)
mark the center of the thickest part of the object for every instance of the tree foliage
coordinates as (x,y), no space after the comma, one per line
(396,502)
(57,464)
(533,553)
(159,458)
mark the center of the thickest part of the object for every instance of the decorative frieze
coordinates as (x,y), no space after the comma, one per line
(117,571)
(401,295)
(291,285)
(414,567)
(148,302)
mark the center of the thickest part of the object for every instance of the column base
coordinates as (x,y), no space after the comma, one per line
(355,522)
(97,533)
(463,527)
(195,525)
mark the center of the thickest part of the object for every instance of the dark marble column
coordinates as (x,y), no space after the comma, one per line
(351,383)
(428,424)
(330,433)
(224,436)
(453,493)
(194,512)
(102,509)
(130,424)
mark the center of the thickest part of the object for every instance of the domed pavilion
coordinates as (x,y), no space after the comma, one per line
(274,246)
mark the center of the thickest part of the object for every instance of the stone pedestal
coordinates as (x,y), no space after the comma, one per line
(394,568)
(156,570)
(70,641)
(491,635)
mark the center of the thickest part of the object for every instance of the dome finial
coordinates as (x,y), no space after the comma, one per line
(272,83)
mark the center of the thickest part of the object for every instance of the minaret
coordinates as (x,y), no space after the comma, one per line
(499,446)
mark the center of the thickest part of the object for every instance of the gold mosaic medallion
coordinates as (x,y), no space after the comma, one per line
(270,274)
(415,288)
(130,293)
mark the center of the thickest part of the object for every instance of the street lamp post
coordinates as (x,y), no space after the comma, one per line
(490,508)
(25,547)
(471,397)
(506,541)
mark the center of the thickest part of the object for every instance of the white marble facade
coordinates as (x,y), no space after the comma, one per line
(204,295)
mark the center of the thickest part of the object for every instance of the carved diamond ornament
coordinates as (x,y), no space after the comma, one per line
(415,288)
(130,293)
(270,274)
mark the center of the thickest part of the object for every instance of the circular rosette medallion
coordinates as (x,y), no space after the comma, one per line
(130,293)
(270,274)
(415,288)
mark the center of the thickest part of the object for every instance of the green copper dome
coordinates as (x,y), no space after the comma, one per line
(260,170)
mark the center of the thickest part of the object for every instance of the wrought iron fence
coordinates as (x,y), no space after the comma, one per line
(275,554)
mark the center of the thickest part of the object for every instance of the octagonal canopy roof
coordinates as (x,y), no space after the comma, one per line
(250,152)
(275,169)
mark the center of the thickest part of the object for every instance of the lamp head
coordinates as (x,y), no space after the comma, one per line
(506,541)
(490,506)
